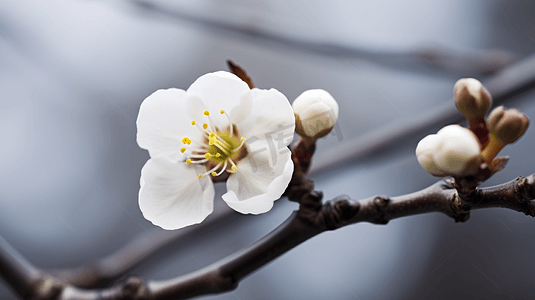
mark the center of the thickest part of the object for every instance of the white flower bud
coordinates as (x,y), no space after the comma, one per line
(454,150)
(316,113)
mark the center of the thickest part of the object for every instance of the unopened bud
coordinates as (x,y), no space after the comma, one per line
(506,126)
(472,98)
(454,150)
(316,113)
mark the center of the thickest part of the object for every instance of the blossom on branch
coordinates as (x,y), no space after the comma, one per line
(219,127)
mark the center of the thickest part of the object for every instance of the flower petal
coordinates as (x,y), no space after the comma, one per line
(171,196)
(271,118)
(163,122)
(257,182)
(219,90)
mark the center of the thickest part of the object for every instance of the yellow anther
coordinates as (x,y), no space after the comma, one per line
(200,176)
(185,140)
(243,139)
(222,111)
(193,122)
(218,155)
(212,134)
(183,149)
(206,113)
(188,161)
(214,174)
(189,142)
(207,155)
(234,168)
(204,125)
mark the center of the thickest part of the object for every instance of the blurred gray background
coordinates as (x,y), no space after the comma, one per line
(73,74)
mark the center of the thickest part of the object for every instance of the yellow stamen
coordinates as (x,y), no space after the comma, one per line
(214,174)
(204,125)
(212,134)
(206,113)
(188,161)
(243,139)
(193,122)
(183,149)
(200,176)
(218,154)
(207,155)
(222,111)
(234,168)
(185,140)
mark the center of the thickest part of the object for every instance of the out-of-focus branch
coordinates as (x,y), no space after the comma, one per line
(23,277)
(312,218)
(419,59)
(106,270)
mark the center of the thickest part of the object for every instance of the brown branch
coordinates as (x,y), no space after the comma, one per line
(312,218)
(23,277)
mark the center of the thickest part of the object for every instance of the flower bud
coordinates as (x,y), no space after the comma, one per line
(506,126)
(316,113)
(454,150)
(472,98)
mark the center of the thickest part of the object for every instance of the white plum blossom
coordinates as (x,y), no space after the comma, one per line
(454,150)
(219,127)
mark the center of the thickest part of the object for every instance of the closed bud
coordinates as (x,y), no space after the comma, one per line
(454,150)
(316,113)
(472,98)
(506,126)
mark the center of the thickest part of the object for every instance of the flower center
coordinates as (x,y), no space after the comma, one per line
(220,149)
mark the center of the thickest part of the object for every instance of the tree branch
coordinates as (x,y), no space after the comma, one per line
(313,218)
(23,277)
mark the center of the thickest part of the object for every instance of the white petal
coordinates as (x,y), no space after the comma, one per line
(171,196)
(459,151)
(257,183)
(424,153)
(271,118)
(219,90)
(243,110)
(163,122)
